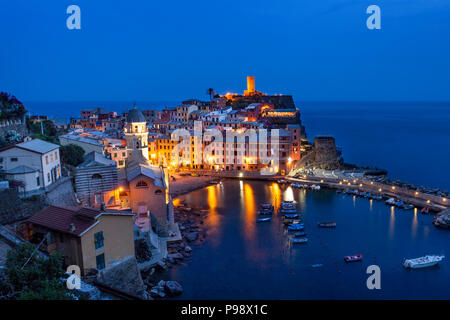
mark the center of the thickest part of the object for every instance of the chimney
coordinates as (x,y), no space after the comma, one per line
(72,227)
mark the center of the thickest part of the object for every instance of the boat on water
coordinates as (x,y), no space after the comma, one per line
(264,212)
(327,224)
(408,206)
(399,204)
(300,234)
(296,227)
(291,216)
(267,219)
(357,257)
(299,240)
(422,262)
(390,201)
(266,206)
(317,265)
(291,221)
(425,210)
(282,181)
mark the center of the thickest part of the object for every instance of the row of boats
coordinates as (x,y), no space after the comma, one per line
(368,195)
(291,219)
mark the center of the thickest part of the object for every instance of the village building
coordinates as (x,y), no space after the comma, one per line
(96,181)
(34,163)
(88,238)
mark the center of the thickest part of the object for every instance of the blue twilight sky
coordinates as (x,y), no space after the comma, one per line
(171,50)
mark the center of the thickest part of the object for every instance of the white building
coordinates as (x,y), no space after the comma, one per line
(35,163)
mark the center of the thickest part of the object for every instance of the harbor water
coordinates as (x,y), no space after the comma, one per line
(242,259)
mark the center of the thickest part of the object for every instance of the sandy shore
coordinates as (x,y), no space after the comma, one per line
(185,184)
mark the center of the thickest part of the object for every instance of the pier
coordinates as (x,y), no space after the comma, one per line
(416,198)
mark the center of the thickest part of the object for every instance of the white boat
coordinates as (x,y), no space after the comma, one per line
(391,201)
(422,262)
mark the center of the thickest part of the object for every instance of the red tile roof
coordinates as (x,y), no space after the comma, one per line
(60,219)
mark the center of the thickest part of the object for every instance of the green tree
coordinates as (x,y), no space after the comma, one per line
(11,107)
(32,276)
(72,154)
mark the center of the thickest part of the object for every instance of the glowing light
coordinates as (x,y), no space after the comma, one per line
(393,188)
(380,190)
(444,199)
(241,174)
(428,201)
(289,160)
(360,184)
(120,189)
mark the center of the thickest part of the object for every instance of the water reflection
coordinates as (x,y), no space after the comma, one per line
(289,194)
(212,200)
(392,223)
(414,224)
(370,205)
(248,208)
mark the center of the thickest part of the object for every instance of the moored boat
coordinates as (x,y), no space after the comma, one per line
(296,227)
(422,262)
(264,212)
(299,240)
(264,219)
(327,224)
(357,257)
(266,206)
(300,234)
(390,201)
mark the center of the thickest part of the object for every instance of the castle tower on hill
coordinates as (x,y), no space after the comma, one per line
(250,86)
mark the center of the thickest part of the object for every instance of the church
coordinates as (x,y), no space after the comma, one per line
(143,188)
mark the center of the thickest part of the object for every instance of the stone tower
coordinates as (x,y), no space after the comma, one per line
(136,134)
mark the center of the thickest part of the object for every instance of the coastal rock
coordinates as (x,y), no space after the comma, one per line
(176,256)
(173,288)
(157,292)
(191,236)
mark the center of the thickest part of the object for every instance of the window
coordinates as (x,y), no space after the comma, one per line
(46,159)
(51,157)
(98,240)
(115,155)
(37,181)
(120,162)
(158,191)
(14,159)
(48,177)
(56,155)
(96,176)
(141,184)
(100,261)
(123,154)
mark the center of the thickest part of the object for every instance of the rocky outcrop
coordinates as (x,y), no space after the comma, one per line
(124,276)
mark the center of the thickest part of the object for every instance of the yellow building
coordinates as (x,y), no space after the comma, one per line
(88,238)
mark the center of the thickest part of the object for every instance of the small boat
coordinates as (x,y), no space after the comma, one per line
(291,216)
(264,212)
(300,234)
(291,221)
(379,198)
(266,206)
(399,204)
(288,210)
(317,265)
(282,181)
(425,210)
(408,206)
(422,262)
(354,258)
(296,227)
(327,225)
(390,201)
(264,219)
(299,240)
